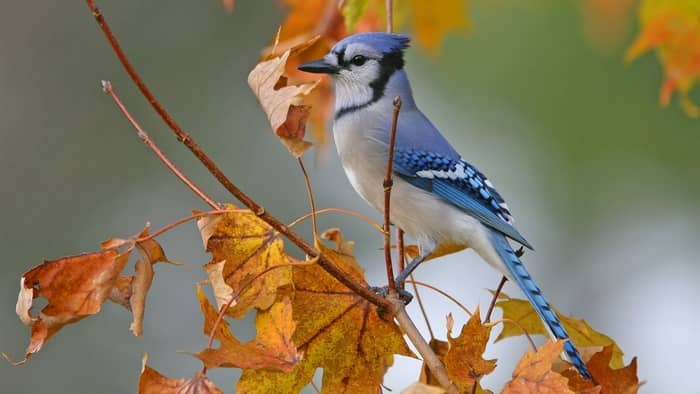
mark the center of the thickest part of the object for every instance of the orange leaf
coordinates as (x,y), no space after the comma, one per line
(74,287)
(431,23)
(245,251)
(534,374)
(338,331)
(612,381)
(283,104)
(272,348)
(335,235)
(463,361)
(422,388)
(581,333)
(152,382)
(606,22)
(672,28)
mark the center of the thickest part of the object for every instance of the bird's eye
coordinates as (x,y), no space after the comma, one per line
(358,60)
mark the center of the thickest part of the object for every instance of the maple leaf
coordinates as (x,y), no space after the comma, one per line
(152,382)
(337,330)
(580,332)
(463,360)
(335,235)
(610,380)
(534,374)
(272,348)
(131,291)
(74,287)
(672,28)
(422,388)
(283,104)
(244,252)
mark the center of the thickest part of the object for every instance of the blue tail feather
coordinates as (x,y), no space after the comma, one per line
(536,298)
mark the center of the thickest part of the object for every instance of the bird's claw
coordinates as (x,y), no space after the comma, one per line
(404,295)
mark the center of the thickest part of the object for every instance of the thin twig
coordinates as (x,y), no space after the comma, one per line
(185,220)
(388,183)
(428,355)
(442,292)
(310,194)
(108,89)
(389,16)
(358,215)
(422,308)
(316,389)
(496,293)
(359,288)
(402,249)
(514,322)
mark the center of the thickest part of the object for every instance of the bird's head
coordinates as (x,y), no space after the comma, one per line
(362,65)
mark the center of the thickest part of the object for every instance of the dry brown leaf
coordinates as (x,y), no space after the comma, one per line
(248,260)
(534,375)
(610,380)
(338,331)
(152,382)
(335,235)
(74,287)
(271,349)
(283,104)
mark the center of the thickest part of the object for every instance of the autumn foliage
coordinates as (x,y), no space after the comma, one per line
(306,315)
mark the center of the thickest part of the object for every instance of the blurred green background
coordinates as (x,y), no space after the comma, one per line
(601,180)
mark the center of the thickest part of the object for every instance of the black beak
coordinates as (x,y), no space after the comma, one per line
(319,67)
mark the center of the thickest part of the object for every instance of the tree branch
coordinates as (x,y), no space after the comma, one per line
(185,138)
(108,89)
(429,357)
(388,183)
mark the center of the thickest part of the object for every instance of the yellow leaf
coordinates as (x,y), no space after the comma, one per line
(534,374)
(337,331)
(245,251)
(581,333)
(271,348)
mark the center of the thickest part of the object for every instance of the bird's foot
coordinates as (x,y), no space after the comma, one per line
(404,295)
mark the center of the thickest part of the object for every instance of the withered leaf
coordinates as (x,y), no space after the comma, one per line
(245,251)
(581,333)
(271,349)
(153,382)
(335,235)
(610,380)
(337,331)
(534,374)
(74,287)
(283,104)
(422,388)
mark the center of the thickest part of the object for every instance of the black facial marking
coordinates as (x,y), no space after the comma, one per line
(390,63)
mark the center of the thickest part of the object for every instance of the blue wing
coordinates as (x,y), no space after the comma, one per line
(459,183)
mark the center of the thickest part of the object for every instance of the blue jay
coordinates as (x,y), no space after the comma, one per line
(439,199)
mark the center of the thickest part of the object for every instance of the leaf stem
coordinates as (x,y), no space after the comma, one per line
(388,183)
(338,210)
(187,140)
(422,308)
(441,292)
(310,193)
(496,293)
(108,89)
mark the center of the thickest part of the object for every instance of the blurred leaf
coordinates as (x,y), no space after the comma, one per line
(606,22)
(582,334)
(152,382)
(353,11)
(272,348)
(431,22)
(245,251)
(229,5)
(463,360)
(283,104)
(534,374)
(337,330)
(672,28)
(422,388)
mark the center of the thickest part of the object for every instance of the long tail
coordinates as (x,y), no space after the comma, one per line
(539,303)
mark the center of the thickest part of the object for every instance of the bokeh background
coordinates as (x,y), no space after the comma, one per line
(602,181)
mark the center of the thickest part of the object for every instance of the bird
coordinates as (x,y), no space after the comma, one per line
(442,201)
